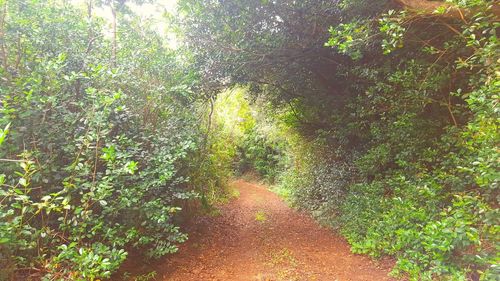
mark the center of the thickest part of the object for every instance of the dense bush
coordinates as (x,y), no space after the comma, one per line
(316,182)
(96,154)
(425,189)
(229,118)
(258,153)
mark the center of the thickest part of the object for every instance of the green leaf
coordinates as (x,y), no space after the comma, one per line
(23,182)
(3,133)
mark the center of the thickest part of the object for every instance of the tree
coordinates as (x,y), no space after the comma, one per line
(117,7)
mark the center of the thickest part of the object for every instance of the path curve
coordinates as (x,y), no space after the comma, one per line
(257,237)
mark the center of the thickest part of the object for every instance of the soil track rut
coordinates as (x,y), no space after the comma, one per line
(258,237)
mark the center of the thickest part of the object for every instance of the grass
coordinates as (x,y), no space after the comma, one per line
(260,216)
(285,193)
(283,257)
(215,199)
(234,193)
(144,277)
(286,265)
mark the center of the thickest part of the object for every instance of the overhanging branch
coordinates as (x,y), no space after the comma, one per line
(428,7)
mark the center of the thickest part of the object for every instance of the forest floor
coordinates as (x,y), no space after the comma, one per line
(256,236)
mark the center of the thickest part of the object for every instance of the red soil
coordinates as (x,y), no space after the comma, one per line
(258,237)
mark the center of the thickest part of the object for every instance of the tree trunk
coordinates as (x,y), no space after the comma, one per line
(3,49)
(114,47)
(89,19)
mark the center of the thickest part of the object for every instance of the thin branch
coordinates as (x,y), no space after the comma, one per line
(11,160)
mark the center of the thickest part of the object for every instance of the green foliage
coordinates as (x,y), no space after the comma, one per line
(3,133)
(349,38)
(425,189)
(258,153)
(104,141)
(397,147)
(390,26)
(94,159)
(226,121)
(263,149)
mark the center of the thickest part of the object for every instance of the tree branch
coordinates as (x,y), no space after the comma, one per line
(428,7)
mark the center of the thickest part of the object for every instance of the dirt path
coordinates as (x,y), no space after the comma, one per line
(258,237)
